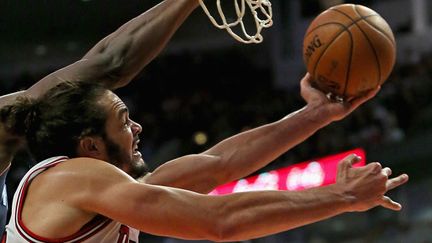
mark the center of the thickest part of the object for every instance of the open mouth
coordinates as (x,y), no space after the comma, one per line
(135,151)
(137,154)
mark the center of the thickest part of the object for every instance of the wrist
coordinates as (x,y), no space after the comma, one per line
(343,197)
(318,115)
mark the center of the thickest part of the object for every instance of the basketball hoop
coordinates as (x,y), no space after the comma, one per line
(262,6)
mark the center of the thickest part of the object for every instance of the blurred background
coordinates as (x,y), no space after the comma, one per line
(205,86)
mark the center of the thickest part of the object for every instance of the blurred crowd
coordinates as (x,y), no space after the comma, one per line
(189,102)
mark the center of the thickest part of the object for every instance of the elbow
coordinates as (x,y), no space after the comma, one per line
(114,69)
(116,64)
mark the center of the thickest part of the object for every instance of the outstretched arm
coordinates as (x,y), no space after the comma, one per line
(233,217)
(237,156)
(242,154)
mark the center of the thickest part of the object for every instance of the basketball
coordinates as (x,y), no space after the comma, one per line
(349,49)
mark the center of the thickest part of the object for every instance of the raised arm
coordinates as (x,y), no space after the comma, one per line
(139,41)
(233,217)
(120,56)
(242,154)
(115,60)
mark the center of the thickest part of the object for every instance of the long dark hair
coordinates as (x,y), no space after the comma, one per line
(54,123)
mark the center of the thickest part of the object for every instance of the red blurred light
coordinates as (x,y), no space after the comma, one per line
(308,174)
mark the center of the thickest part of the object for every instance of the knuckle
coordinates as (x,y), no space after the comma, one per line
(389,172)
(382,178)
(375,168)
(377,165)
(385,173)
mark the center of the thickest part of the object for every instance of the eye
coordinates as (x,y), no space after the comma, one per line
(127,123)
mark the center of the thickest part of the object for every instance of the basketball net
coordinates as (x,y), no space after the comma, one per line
(262,6)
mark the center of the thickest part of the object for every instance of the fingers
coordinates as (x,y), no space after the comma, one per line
(347,163)
(390,204)
(360,100)
(306,81)
(306,85)
(391,184)
(308,92)
(374,167)
(397,181)
(370,94)
(370,183)
(386,171)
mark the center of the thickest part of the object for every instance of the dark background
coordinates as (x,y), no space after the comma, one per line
(204,81)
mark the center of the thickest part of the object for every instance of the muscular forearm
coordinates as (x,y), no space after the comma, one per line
(251,150)
(137,42)
(273,212)
(240,216)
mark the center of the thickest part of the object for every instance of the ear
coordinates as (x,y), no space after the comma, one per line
(90,147)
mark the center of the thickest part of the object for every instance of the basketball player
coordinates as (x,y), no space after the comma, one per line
(92,184)
(100,197)
(113,62)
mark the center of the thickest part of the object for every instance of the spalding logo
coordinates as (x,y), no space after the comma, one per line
(311,48)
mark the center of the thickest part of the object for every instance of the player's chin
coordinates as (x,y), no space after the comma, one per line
(138,168)
(137,159)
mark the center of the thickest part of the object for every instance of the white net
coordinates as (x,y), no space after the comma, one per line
(261,11)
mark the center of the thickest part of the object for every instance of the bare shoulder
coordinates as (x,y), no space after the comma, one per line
(86,170)
(78,180)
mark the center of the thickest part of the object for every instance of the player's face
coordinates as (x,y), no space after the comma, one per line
(121,143)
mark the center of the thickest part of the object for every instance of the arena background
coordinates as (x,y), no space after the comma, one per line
(206,83)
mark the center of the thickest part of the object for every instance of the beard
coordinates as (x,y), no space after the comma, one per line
(121,159)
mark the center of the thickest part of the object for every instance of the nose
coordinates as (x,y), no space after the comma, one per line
(136,128)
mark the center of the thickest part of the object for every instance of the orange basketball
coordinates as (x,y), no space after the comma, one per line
(349,49)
